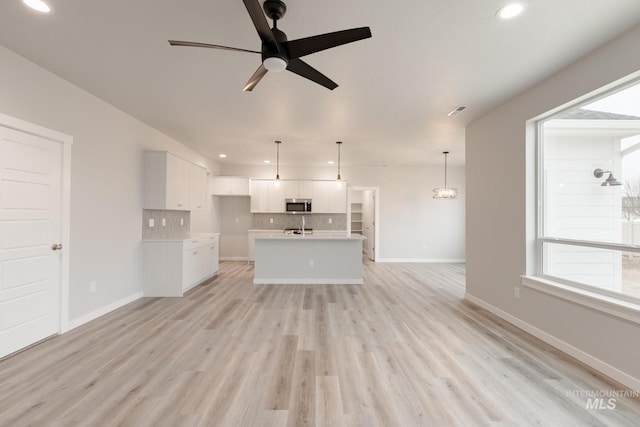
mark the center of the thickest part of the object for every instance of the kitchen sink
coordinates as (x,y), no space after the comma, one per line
(298,231)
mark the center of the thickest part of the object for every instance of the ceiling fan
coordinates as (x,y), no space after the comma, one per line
(278,53)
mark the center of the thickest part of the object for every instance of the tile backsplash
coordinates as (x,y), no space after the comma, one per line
(174,228)
(261,221)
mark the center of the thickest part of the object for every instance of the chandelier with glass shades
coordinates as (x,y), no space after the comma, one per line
(445,192)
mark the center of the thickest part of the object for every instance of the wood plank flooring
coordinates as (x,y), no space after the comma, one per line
(403,349)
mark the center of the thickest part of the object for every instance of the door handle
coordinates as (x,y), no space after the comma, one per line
(56,247)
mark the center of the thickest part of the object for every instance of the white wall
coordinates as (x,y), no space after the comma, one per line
(106,179)
(500,225)
(413,226)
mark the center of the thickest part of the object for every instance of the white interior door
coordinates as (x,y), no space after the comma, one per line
(30,223)
(368,223)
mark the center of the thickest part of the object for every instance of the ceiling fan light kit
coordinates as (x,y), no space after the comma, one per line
(275,64)
(278,53)
(38,5)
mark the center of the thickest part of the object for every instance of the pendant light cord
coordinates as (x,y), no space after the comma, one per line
(278,159)
(339,144)
(446,153)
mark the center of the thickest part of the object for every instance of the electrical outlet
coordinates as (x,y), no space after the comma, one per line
(516,292)
(164,222)
(152,223)
(237,220)
(181,221)
(93,286)
(310,263)
(330,220)
(270,220)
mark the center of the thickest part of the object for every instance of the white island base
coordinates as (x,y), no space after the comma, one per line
(313,259)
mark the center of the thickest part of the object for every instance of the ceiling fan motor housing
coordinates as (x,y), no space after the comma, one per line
(281,38)
(275,9)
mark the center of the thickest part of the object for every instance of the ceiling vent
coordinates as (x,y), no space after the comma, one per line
(456,111)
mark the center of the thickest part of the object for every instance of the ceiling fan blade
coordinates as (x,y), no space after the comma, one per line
(255,78)
(301,68)
(210,46)
(261,24)
(301,47)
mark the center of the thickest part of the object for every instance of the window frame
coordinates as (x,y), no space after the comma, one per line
(565,288)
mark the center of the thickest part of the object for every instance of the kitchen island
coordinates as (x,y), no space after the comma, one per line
(319,258)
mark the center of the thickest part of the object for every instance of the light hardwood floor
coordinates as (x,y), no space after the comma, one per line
(403,349)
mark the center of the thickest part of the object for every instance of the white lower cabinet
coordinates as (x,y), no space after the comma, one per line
(171,267)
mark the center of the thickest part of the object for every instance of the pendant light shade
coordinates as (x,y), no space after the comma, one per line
(278,159)
(445,192)
(339,143)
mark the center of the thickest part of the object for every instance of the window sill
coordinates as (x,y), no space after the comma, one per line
(616,307)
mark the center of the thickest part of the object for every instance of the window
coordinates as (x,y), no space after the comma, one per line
(589,193)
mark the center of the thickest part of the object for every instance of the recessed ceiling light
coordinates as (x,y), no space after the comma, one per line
(38,5)
(222,156)
(331,162)
(267,161)
(510,10)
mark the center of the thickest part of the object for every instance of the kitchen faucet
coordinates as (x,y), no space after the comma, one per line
(302,229)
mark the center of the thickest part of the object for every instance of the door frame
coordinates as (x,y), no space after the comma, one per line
(376,215)
(65,203)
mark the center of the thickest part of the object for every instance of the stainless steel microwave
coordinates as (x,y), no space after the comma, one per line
(297,206)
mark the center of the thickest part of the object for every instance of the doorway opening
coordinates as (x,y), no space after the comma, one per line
(363,217)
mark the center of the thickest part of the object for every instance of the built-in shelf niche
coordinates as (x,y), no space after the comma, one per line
(356,218)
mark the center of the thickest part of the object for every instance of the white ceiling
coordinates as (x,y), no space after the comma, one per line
(425,58)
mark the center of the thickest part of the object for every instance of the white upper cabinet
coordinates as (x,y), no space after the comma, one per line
(298,189)
(172,183)
(267,195)
(259,195)
(230,186)
(329,197)
(338,197)
(198,187)
(276,196)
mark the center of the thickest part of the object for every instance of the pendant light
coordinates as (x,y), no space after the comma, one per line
(339,143)
(278,159)
(445,192)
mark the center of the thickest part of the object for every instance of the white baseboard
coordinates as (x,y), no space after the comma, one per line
(233,258)
(428,260)
(595,363)
(72,324)
(308,281)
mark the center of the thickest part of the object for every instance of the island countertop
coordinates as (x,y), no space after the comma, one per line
(314,236)
(190,236)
